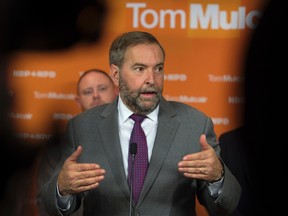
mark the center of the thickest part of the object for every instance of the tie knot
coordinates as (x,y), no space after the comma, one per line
(137,117)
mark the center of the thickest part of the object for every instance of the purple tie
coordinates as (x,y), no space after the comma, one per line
(141,158)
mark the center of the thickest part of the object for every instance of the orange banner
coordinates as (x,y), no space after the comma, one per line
(205,43)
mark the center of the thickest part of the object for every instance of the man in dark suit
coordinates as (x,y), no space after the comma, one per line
(256,153)
(183,151)
(238,156)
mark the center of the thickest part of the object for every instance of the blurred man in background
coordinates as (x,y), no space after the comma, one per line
(95,87)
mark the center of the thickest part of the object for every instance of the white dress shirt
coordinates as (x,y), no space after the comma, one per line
(126,124)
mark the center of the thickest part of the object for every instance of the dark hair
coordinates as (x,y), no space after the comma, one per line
(94,70)
(128,39)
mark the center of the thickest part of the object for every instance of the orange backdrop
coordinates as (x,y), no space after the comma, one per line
(205,42)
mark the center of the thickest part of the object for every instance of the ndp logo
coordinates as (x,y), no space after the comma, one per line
(36,74)
(197,19)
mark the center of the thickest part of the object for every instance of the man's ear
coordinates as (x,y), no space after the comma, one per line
(77,100)
(116,90)
(114,73)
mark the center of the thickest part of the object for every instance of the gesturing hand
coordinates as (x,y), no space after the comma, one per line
(203,165)
(77,177)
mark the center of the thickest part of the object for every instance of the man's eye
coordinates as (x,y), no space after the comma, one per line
(87,92)
(159,69)
(102,89)
(140,69)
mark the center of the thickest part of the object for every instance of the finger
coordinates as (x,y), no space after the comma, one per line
(76,154)
(203,142)
(83,167)
(193,157)
(91,177)
(190,166)
(192,170)
(196,173)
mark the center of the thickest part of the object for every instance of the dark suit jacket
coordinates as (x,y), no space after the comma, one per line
(239,157)
(165,191)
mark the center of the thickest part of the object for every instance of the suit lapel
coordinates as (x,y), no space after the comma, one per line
(111,144)
(166,130)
